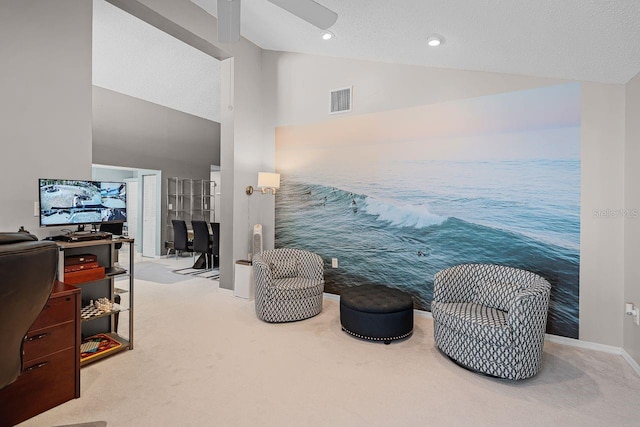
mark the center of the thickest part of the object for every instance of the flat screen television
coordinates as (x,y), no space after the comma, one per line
(77,202)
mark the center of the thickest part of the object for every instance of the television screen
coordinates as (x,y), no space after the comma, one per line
(78,202)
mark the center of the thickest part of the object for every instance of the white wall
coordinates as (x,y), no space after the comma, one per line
(45,106)
(242,151)
(135,133)
(159,67)
(602,238)
(632,224)
(297,89)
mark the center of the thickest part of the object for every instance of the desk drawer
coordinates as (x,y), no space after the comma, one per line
(44,383)
(49,340)
(57,310)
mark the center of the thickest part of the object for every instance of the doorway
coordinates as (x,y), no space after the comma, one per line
(146,243)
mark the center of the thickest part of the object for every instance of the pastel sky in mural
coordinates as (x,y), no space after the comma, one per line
(524,124)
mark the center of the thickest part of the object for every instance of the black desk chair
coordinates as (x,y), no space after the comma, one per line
(181,242)
(116,229)
(202,242)
(27,273)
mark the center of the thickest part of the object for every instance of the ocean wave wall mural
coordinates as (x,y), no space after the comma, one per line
(399,195)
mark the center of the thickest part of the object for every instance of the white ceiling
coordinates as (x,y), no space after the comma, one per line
(588,40)
(139,60)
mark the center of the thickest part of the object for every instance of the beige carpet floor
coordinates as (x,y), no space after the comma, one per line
(202,358)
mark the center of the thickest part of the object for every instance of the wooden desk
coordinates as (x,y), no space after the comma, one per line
(51,361)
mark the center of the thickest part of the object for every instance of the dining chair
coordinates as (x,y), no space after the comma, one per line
(202,241)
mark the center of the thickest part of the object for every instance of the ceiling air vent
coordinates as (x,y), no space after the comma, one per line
(340,101)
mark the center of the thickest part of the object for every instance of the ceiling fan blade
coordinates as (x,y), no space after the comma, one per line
(310,11)
(228,21)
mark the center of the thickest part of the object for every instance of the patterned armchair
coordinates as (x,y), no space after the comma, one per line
(491,318)
(289,284)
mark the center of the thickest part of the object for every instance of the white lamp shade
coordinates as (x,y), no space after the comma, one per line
(268,180)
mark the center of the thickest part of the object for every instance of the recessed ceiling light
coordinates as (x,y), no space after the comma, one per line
(435,40)
(327,35)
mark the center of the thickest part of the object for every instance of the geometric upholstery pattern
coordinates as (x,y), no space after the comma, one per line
(289,284)
(504,342)
(497,295)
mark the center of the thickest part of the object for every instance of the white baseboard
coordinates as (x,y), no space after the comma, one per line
(225,291)
(583,344)
(332,297)
(631,361)
(423,313)
(596,346)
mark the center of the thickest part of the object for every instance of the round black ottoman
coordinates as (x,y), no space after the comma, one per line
(376,313)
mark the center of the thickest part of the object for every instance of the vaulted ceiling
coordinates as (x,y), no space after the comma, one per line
(589,40)
(585,40)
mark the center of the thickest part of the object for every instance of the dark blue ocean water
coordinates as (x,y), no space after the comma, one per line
(404,224)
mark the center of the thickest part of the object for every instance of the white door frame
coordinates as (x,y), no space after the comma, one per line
(151,214)
(133,211)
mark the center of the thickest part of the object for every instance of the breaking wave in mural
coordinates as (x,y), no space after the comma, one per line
(401,216)
(401,235)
